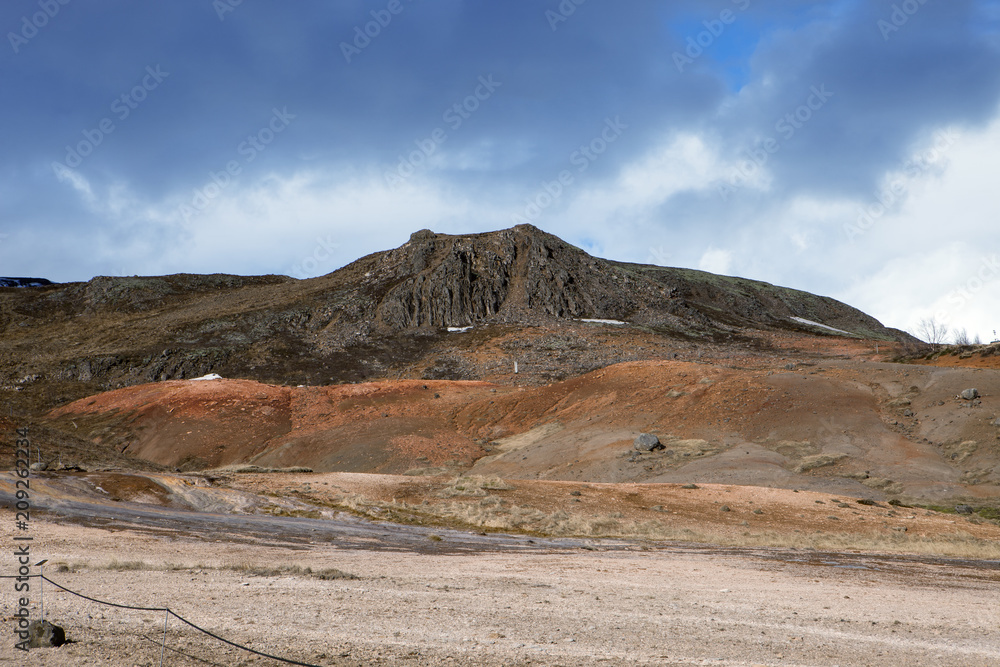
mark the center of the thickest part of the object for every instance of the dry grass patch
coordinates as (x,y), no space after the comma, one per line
(473,485)
(253,570)
(819,461)
(883,484)
(128,566)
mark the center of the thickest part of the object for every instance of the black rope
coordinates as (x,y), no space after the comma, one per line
(240,646)
(180,652)
(182,620)
(110,604)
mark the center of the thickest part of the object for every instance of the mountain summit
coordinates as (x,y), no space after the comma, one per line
(525,275)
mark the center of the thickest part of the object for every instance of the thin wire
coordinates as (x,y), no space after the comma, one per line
(180,652)
(104,602)
(166,617)
(240,646)
(182,620)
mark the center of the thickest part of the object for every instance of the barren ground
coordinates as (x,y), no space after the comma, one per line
(527,530)
(434,596)
(606,605)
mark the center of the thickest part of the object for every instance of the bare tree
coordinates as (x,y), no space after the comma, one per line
(932,331)
(962,337)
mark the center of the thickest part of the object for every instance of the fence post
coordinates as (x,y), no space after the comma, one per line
(163,646)
(41,587)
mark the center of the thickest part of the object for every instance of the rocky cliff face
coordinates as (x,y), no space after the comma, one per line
(526,275)
(507,276)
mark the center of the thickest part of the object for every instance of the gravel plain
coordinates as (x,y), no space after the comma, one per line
(625,604)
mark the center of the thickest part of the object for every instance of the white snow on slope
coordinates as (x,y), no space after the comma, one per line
(822,326)
(459,329)
(604,321)
(210,376)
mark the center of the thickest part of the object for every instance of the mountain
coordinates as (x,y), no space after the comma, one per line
(387,315)
(509,353)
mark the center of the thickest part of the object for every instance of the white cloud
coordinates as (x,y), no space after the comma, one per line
(942,242)
(77,181)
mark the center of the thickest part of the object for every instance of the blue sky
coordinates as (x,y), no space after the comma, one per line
(847,148)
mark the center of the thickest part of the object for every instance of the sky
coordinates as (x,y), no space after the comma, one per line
(848,148)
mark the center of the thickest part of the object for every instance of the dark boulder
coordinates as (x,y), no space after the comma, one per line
(647,442)
(45,635)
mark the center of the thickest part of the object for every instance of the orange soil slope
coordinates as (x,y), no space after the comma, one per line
(840,426)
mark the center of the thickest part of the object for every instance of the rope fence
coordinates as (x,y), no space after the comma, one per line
(169,612)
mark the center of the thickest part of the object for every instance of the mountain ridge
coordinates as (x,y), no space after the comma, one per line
(386,315)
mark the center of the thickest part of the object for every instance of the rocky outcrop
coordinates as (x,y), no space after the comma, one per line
(525,275)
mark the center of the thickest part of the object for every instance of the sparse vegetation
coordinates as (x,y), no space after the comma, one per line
(326,574)
(128,565)
(474,485)
(250,469)
(819,461)
(932,331)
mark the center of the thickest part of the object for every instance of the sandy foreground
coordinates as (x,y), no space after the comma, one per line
(638,604)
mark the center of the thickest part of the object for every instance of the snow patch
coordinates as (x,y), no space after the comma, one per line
(593,321)
(459,329)
(821,326)
(210,376)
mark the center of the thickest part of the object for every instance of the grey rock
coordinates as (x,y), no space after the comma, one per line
(970,394)
(39,466)
(647,442)
(43,634)
(963,509)
(790,367)
(725,508)
(907,413)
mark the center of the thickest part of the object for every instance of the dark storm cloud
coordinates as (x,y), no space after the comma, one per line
(896,71)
